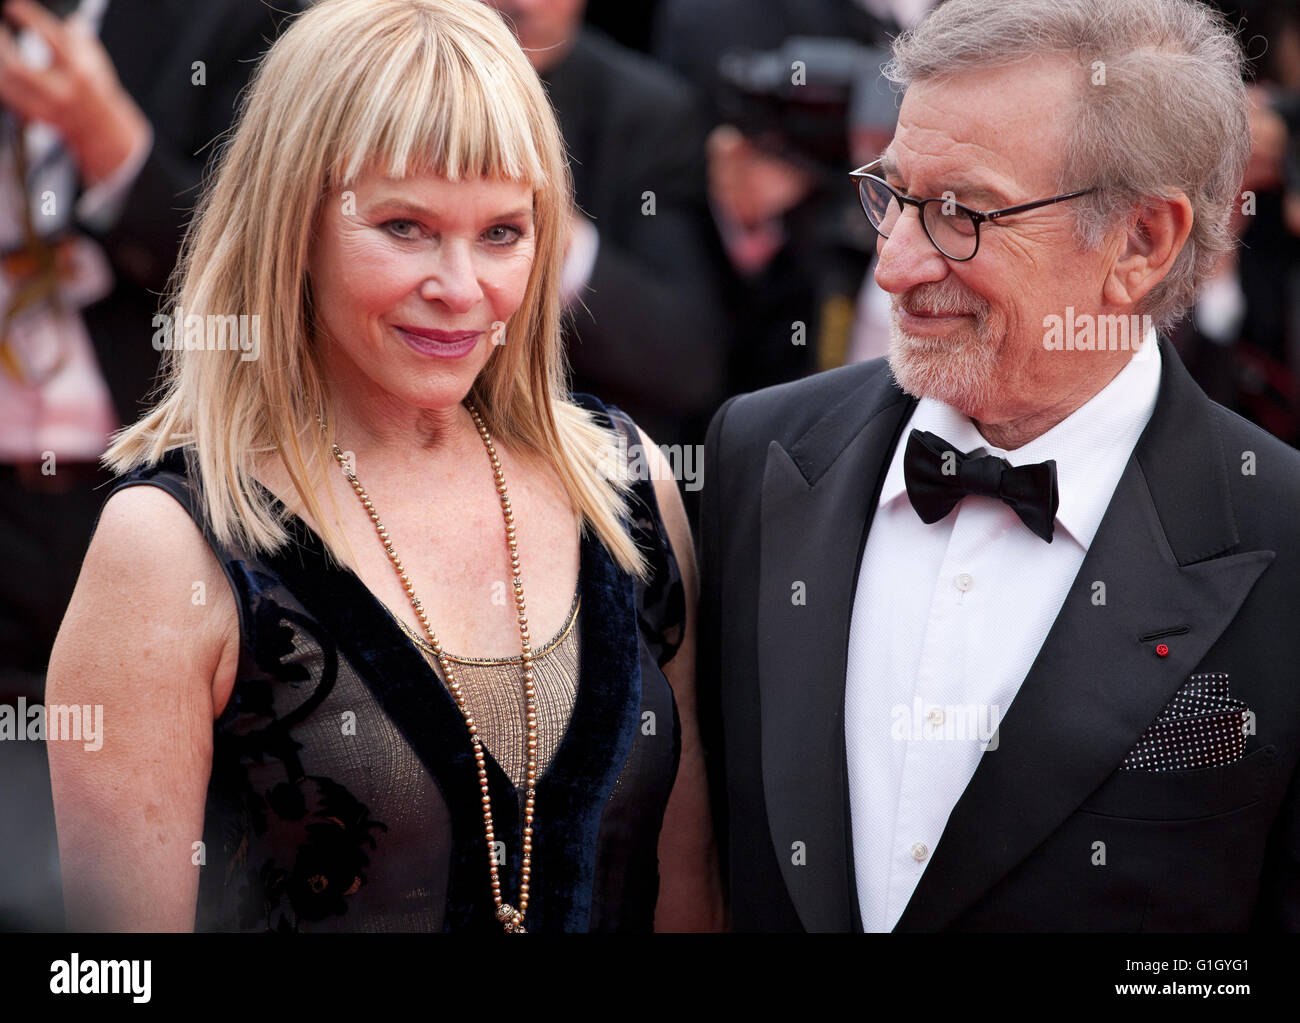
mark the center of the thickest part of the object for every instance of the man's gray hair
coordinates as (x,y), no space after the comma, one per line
(1161,108)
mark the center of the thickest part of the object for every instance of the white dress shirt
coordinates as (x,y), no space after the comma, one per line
(948,618)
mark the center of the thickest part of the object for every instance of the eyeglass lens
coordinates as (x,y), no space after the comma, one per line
(948,225)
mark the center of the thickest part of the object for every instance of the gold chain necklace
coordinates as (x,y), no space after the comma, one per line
(512,919)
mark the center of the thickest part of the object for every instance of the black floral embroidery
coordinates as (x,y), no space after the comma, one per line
(287,801)
(334,829)
(259,896)
(329,865)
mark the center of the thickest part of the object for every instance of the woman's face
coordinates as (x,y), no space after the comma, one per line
(414,280)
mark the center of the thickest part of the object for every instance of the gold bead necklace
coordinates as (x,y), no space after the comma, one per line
(512,919)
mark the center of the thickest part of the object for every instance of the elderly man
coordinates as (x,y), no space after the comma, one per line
(1002,631)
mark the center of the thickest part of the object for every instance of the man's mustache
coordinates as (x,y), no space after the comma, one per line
(938,300)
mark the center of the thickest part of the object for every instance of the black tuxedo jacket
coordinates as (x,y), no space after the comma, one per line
(1197,552)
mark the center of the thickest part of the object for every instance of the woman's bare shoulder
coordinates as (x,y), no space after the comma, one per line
(144,641)
(146,525)
(149,575)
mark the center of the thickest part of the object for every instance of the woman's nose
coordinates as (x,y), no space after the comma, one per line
(452,278)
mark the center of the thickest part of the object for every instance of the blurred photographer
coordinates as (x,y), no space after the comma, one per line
(794,91)
(107,110)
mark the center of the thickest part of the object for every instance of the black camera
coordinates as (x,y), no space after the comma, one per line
(799,100)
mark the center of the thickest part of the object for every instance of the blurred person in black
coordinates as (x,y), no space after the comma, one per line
(115,130)
(105,110)
(782,82)
(1241,340)
(644,274)
(693,36)
(630,22)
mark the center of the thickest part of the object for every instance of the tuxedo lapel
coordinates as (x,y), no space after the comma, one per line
(816,501)
(1165,554)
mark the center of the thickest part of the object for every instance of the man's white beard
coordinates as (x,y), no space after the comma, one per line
(958,370)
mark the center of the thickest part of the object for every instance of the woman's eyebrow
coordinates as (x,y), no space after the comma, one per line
(405,206)
(395,205)
(523,213)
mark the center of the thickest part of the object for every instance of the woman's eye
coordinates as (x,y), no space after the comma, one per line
(405,229)
(504,234)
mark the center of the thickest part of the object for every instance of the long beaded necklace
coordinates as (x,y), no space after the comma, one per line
(512,919)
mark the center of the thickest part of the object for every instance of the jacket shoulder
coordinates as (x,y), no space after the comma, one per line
(1265,479)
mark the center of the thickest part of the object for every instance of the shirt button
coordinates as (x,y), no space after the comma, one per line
(963,582)
(935,717)
(920,852)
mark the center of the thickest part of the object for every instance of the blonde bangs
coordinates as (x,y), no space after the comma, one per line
(463,119)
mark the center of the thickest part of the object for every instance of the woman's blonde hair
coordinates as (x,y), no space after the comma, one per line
(404,86)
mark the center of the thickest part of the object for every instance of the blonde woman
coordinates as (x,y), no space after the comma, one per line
(389,631)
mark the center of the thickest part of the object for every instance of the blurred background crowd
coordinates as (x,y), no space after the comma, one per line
(716,246)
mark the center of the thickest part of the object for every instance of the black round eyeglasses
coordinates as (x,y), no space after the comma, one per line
(952,228)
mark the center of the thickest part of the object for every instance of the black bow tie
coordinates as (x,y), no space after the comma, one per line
(938,476)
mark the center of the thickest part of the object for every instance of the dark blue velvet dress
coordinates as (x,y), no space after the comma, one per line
(344,795)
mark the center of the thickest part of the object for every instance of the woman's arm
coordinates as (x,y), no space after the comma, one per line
(690,891)
(137,642)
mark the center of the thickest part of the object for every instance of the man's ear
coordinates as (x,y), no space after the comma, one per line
(1154,236)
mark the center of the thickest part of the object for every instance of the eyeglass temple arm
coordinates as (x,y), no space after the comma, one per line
(1025,207)
(981,217)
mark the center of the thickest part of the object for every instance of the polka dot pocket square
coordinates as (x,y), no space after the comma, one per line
(1202,726)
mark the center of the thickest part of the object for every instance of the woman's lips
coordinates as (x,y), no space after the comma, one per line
(445,344)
